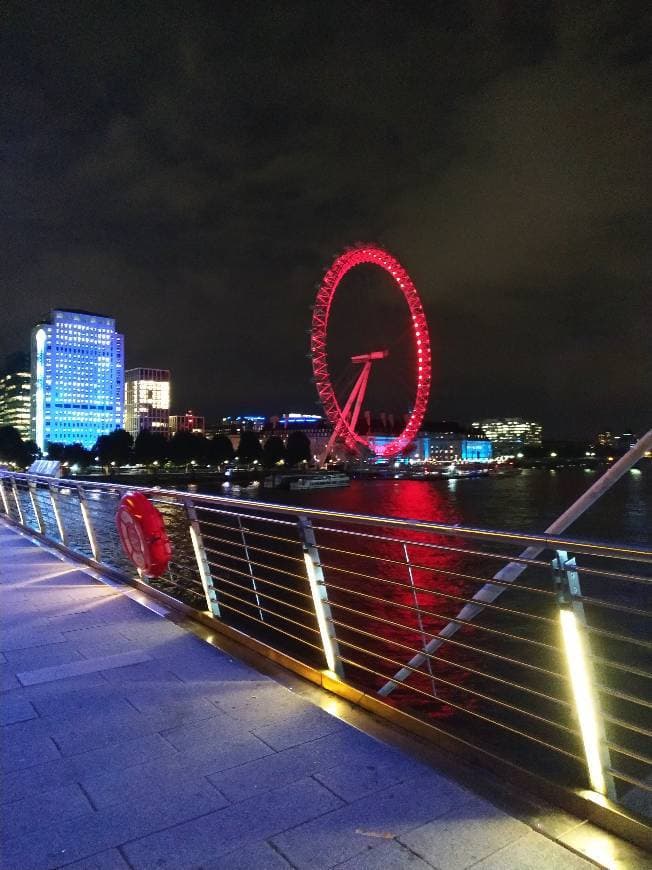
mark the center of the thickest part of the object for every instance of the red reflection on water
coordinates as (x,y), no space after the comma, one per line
(392,589)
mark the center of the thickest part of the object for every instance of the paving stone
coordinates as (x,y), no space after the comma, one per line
(85,666)
(387,856)
(309,724)
(283,768)
(13,639)
(357,777)
(464,835)
(22,783)
(43,656)
(100,700)
(109,860)
(45,808)
(8,679)
(18,750)
(534,852)
(368,822)
(125,754)
(15,709)
(205,840)
(207,732)
(260,856)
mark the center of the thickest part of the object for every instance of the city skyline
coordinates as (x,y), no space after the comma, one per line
(195,177)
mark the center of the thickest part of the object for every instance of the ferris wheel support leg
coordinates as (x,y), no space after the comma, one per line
(358,391)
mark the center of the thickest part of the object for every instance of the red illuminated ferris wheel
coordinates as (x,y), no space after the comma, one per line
(344,416)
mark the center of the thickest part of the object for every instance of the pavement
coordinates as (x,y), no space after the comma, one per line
(128,742)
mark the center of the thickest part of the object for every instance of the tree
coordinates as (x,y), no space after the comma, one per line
(55,450)
(249,447)
(150,447)
(114,448)
(76,454)
(186,446)
(14,449)
(220,449)
(273,451)
(298,448)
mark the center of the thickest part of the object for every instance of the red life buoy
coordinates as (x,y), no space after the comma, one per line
(142,534)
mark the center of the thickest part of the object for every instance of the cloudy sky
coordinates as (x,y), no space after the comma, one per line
(191,169)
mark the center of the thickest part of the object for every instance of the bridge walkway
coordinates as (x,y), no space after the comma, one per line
(128,742)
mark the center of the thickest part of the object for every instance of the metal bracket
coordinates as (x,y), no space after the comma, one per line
(36,507)
(204,568)
(14,489)
(88,524)
(58,517)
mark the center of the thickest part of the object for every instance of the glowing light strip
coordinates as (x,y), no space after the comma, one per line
(89,531)
(583,695)
(315,589)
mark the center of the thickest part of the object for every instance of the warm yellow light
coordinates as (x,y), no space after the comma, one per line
(321,621)
(581,685)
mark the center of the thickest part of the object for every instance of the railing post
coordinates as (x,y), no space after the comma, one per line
(251,570)
(14,489)
(56,510)
(582,678)
(36,507)
(424,642)
(88,525)
(210,592)
(3,496)
(320,596)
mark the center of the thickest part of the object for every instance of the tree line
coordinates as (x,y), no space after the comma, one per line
(151,448)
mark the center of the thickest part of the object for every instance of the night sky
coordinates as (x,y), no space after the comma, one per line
(191,169)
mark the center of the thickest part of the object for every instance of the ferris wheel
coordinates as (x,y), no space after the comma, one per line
(344,412)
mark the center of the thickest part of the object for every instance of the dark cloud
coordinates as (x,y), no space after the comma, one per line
(191,169)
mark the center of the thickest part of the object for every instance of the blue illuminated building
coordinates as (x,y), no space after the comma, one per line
(77,378)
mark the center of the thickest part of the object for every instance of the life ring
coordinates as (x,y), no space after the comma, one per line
(141,528)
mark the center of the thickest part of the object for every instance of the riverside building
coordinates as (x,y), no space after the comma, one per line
(507,434)
(147,401)
(15,386)
(77,378)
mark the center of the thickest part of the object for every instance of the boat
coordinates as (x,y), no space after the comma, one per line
(320,481)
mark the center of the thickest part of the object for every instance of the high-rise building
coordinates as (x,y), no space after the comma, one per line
(15,394)
(77,378)
(510,432)
(187,422)
(147,401)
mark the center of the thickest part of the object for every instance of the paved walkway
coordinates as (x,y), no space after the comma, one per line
(128,742)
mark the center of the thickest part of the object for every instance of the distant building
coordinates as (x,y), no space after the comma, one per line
(77,378)
(15,386)
(147,401)
(187,422)
(509,433)
(621,443)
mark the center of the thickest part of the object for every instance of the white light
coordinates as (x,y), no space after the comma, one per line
(321,621)
(576,661)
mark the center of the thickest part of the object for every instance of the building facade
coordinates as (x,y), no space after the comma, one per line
(187,422)
(15,386)
(147,401)
(509,433)
(77,378)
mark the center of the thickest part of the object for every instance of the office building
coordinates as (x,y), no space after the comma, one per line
(187,422)
(77,378)
(15,385)
(509,433)
(147,401)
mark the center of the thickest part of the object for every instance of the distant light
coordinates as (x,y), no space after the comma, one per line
(519,456)
(635,470)
(553,454)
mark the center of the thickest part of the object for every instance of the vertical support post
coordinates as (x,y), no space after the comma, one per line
(14,489)
(36,507)
(320,596)
(250,567)
(58,517)
(3,496)
(88,524)
(204,568)
(424,642)
(576,649)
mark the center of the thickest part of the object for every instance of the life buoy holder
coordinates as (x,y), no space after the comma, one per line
(141,528)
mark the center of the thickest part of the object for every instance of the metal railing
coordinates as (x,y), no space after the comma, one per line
(553,677)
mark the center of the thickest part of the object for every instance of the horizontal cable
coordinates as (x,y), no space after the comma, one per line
(264,580)
(453,705)
(432,613)
(451,684)
(437,593)
(640,783)
(629,753)
(259,594)
(629,726)
(294,541)
(273,613)
(246,561)
(271,627)
(612,634)
(608,605)
(438,658)
(624,696)
(245,516)
(249,546)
